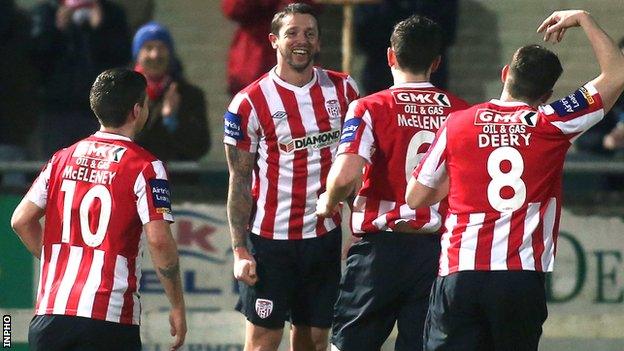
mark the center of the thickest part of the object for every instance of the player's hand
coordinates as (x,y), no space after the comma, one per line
(96,15)
(171,101)
(322,207)
(554,27)
(177,321)
(245,267)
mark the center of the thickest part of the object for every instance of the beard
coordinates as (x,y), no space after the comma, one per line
(297,64)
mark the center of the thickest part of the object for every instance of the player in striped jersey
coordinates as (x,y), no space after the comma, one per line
(281,133)
(504,160)
(390,271)
(97,196)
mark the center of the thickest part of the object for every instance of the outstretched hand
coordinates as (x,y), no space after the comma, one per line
(555,26)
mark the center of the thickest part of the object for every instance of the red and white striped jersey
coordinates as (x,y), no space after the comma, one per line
(392,130)
(295,132)
(505,161)
(97,194)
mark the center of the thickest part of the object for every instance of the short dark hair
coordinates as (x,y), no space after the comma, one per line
(114,94)
(299,8)
(416,41)
(533,71)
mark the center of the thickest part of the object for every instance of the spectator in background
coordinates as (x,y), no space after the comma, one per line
(251,54)
(74,40)
(615,138)
(373,26)
(18,110)
(177,128)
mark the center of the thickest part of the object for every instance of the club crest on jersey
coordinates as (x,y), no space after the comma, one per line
(488,116)
(264,308)
(420,97)
(333,108)
(96,150)
(315,142)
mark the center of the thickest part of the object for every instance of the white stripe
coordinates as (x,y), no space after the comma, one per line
(548,257)
(468,248)
(120,285)
(141,194)
(43,305)
(41,261)
(451,222)
(68,280)
(136,313)
(91,285)
(579,124)
(357,214)
(430,174)
(38,192)
(435,220)
(531,221)
(381,220)
(498,258)
(161,173)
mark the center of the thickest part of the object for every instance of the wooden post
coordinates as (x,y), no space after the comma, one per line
(347,27)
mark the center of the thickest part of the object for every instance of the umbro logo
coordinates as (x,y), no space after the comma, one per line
(279,115)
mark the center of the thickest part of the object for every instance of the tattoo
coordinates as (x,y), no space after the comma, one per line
(171,272)
(239,201)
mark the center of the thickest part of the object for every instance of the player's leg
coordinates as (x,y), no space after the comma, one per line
(420,267)
(53,333)
(258,338)
(454,319)
(318,274)
(516,309)
(266,304)
(305,338)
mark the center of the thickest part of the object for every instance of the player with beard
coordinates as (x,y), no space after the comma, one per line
(281,133)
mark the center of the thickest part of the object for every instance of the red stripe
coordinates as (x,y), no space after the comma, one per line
(485,235)
(339,83)
(300,165)
(127,309)
(371,210)
(61,266)
(516,232)
(102,297)
(81,278)
(244,109)
(322,121)
(47,256)
(555,233)
(455,241)
(270,207)
(538,238)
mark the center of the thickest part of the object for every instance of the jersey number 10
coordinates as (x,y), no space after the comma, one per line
(98,191)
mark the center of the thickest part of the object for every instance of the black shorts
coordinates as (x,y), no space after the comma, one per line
(486,311)
(69,333)
(297,281)
(387,280)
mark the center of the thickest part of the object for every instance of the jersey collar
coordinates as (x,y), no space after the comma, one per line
(420,85)
(104,135)
(283,83)
(509,103)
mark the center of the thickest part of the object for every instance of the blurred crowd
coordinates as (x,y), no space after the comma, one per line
(57,48)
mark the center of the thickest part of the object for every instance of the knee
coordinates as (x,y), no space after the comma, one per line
(262,339)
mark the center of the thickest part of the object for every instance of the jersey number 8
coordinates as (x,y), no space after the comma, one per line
(98,191)
(502,179)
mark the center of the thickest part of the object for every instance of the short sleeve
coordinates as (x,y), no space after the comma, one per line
(38,193)
(152,191)
(241,124)
(357,133)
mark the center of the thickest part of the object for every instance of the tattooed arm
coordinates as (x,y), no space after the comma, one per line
(239,204)
(164,254)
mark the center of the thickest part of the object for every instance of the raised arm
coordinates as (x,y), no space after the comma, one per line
(164,253)
(610,82)
(239,205)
